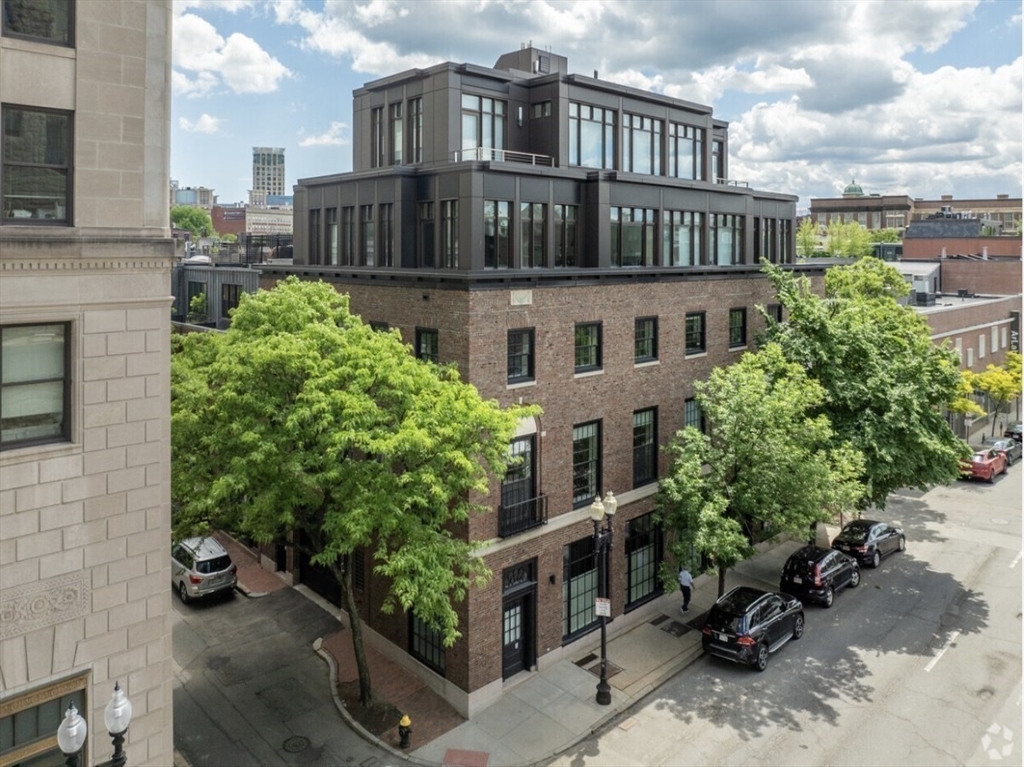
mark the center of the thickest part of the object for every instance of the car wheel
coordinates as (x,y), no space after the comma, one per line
(798,627)
(876,559)
(183,593)
(761,661)
(855,579)
(992,476)
(903,543)
(829,597)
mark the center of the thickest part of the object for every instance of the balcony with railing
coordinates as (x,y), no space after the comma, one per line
(520,517)
(488,154)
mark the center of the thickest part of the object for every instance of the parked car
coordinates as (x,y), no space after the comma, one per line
(201,567)
(748,624)
(867,541)
(816,574)
(1011,449)
(1014,432)
(985,463)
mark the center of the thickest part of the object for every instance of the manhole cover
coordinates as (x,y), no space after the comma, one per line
(295,744)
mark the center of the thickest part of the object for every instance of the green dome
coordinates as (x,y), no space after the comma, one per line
(853,190)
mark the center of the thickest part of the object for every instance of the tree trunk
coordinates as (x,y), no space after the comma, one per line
(365,692)
(721,581)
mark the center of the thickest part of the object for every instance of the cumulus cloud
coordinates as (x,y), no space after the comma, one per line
(205,124)
(331,137)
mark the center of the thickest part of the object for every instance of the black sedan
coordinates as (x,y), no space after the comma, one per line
(815,574)
(1010,448)
(1014,432)
(868,541)
(748,624)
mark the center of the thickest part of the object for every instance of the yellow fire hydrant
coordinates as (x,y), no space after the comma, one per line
(404,731)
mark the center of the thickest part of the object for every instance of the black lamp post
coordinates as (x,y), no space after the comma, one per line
(71,735)
(601,514)
(117,716)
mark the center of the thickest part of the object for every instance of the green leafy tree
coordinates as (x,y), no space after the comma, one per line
(300,421)
(885,235)
(963,403)
(198,309)
(1000,386)
(887,385)
(807,238)
(849,239)
(767,464)
(195,220)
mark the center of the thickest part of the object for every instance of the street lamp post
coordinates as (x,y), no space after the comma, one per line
(71,735)
(603,512)
(117,716)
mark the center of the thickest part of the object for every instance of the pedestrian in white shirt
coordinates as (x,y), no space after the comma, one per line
(686,584)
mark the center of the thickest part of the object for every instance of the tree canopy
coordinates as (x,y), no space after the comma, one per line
(196,220)
(886,384)
(999,385)
(768,463)
(301,421)
(848,239)
(807,238)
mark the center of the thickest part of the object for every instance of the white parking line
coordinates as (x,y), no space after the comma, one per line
(933,661)
(1016,559)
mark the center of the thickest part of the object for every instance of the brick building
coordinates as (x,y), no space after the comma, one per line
(567,242)
(85,259)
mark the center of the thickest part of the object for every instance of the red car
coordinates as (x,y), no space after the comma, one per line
(984,464)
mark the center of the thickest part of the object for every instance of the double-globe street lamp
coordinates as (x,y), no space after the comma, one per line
(116,716)
(601,514)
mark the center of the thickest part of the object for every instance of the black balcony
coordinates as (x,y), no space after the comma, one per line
(520,517)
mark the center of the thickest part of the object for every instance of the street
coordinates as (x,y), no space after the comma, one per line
(920,665)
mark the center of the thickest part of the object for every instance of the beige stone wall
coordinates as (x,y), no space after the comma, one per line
(85,524)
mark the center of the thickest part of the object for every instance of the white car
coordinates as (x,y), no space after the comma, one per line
(200,567)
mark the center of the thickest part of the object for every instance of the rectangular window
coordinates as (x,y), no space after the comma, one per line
(644,552)
(521,508)
(377,137)
(520,355)
(737,328)
(981,346)
(229,296)
(49,21)
(348,236)
(995,340)
(332,236)
(367,248)
(426,644)
(726,239)
(692,415)
(35,384)
(718,161)
(681,238)
(397,143)
(685,152)
(695,333)
(565,235)
(386,241)
(645,339)
(195,289)
(588,347)
(533,235)
(641,144)
(496,237)
(37,161)
(315,237)
(416,130)
(645,446)
(426,344)
(29,722)
(425,242)
(632,236)
(586,463)
(450,234)
(775,312)
(379,326)
(543,109)
(579,587)
(483,125)
(591,136)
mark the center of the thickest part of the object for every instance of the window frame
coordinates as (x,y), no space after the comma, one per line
(579,567)
(395,125)
(69,27)
(426,235)
(526,359)
(67,168)
(622,220)
(643,533)
(693,415)
(645,453)
(426,644)
(64,431)
(590,432)
(385,244)
(591,362)
(634,128)
(696,340)
(230,295)
(377,137)
(533,235)
(346,250)
(566,235)
(66,691)
(497,245)
(681,136)
(491,125)
(608,131)
(450,234)
(367,236)
(423,336)
(415,130)
(738,332)
(645,340)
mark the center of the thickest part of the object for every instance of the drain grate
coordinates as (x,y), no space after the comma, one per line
(612,669)
(675,628)
(582,662)
(659,620)
(296,744)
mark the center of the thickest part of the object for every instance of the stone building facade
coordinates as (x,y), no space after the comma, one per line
(85,258)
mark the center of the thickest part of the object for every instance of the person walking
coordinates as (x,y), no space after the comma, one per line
(686,584)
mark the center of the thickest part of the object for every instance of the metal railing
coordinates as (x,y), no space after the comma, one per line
(732,182)
(487,154)
(523,516)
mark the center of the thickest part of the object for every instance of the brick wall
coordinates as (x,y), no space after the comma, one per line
(985,278)
(932,247)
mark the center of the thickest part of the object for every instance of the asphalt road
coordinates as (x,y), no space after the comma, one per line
(920,665)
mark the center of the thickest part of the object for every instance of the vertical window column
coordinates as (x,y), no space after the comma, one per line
(397,141)
(367,250)
(450,234)
(496,234)
(533,235)
(565,235)
(586,463)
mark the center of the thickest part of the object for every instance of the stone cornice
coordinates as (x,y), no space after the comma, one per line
(51,265)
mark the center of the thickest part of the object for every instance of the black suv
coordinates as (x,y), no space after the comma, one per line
(869,541)
(747,624)
(817,574)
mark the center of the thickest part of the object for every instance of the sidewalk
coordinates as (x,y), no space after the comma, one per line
(543,713)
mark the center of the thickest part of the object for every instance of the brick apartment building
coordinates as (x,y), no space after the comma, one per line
(85,260)
(567,242)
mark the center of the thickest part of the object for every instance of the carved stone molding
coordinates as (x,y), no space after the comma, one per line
(37,605)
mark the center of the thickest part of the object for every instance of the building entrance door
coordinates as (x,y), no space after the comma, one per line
(518,644)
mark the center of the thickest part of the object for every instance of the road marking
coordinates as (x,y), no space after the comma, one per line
(1016,559)
(933,661)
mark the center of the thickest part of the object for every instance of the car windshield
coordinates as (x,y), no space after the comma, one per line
(856,532)
(980,457)
(214,565)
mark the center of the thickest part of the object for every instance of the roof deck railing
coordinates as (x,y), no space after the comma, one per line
(488,154)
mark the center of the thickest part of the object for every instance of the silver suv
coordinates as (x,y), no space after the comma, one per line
(200,567)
